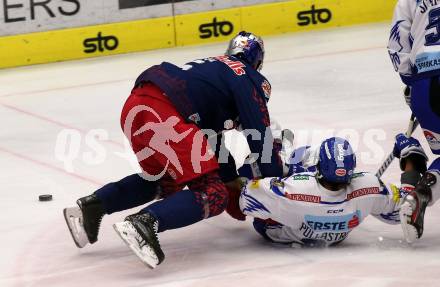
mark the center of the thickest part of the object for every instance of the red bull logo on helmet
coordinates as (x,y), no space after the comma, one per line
(340,172)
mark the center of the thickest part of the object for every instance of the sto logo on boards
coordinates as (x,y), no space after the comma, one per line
(100,43)
(314,16)
(215,29)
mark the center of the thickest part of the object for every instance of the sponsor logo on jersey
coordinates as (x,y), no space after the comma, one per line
(340,172)
(303,197)
(425,64)
(433,139)
(335,223)
(301,177)
(267,89)
(363,191)
(100,43)
(314,16)
(235,66)
(215,29)
(335,211)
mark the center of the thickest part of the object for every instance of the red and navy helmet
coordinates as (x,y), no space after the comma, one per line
(337,161)
(249,48)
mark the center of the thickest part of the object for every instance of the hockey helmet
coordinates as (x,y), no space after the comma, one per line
(247,47)
(337,161)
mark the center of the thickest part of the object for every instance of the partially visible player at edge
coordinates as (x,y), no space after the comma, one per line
(414,48)
(217,93)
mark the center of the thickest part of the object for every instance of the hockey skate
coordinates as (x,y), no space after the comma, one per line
(412,210)
(139,232)
(84,220)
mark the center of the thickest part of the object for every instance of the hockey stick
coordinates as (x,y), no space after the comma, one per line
(413,123)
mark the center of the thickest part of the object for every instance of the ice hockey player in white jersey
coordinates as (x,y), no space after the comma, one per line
(324,199)
(414,48)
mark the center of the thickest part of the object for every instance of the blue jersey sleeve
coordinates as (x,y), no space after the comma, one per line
(254,118)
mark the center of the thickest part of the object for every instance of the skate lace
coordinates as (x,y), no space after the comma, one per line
(155,229)
(140,240)
(98,224)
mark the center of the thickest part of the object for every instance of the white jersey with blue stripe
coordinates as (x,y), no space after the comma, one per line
(304,210)
(414,43)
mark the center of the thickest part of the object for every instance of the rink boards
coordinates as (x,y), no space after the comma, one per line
(187,29)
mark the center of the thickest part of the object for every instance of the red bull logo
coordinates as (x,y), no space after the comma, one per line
(340,172)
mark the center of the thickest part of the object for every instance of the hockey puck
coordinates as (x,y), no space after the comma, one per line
(45,197)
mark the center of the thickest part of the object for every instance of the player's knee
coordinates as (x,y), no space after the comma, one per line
(211,192)
(217,199)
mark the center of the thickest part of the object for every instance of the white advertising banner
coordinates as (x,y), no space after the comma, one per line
(27,16)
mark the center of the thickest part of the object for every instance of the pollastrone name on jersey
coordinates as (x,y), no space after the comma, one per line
(236,66)
(307,232)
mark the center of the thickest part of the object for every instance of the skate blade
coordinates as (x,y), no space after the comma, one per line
(126,231)
(409,231)
(73,217)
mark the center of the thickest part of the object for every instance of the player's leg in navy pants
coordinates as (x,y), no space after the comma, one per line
(425,104)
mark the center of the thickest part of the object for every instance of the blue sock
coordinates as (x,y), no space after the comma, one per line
(127,193)
(179,210)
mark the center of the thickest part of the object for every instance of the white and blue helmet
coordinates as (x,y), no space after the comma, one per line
(249,48)
(337,161)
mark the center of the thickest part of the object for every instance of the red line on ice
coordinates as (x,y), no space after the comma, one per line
(49,166)
(55,122)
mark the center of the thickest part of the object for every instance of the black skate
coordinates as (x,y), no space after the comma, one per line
(84,221)
(139,232)
(412,210)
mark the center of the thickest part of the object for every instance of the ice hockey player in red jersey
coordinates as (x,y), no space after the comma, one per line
(163,119)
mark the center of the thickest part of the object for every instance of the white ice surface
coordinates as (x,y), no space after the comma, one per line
(333,79)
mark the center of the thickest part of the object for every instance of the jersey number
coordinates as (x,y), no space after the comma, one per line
(434,22)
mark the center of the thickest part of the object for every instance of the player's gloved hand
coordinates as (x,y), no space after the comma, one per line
(409,149)
(234,190)
(407,95)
